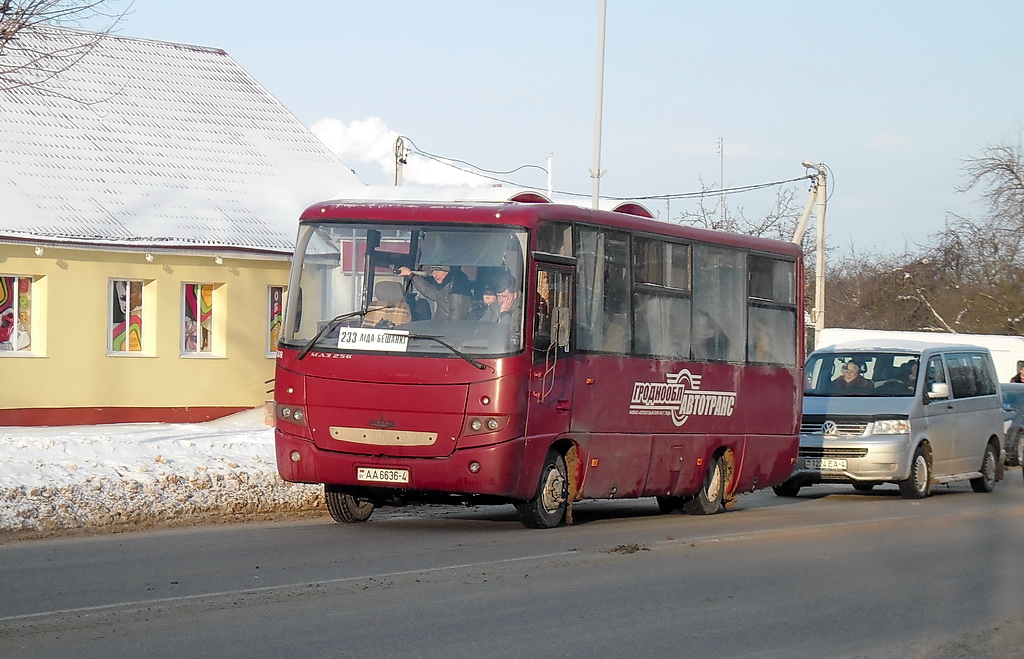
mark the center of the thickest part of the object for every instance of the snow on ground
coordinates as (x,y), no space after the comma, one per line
(56,480)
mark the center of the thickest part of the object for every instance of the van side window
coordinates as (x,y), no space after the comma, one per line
(935,373)
(970,375)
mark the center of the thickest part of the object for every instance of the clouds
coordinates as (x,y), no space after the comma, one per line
(370,141)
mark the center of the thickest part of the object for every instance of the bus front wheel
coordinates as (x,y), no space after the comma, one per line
(710,499)
(547,508)
(345,508)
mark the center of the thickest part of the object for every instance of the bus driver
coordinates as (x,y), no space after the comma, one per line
(449,288)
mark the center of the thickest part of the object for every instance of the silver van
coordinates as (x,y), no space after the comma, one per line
(905,412)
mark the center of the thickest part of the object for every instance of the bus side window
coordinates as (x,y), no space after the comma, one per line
(552,316)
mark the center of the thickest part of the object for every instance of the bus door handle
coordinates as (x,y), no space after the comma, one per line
(563,406)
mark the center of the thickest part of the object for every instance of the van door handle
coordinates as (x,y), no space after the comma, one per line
(562,406)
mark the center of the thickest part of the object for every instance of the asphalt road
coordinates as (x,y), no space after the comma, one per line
(831,573)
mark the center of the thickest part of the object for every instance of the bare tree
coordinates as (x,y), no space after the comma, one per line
(32,57)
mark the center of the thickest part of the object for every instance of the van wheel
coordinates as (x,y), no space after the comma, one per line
(671,505)
(987,481)
(788,489)
(547,509)
(863,487)
(710,499)
(345,508)
(919,485)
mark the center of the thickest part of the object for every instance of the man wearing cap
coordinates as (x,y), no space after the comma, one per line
(448,287)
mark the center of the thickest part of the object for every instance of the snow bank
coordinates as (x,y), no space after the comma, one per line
(60,479)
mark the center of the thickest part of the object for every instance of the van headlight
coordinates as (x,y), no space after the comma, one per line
(892,427)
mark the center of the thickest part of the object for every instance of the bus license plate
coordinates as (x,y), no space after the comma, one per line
(376,475)
(824,463)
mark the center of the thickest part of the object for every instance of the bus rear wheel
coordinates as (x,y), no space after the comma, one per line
(345,508)
(547,509)
(710,499)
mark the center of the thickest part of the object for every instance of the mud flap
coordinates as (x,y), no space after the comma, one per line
(572,468)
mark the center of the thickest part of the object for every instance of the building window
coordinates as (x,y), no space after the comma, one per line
(15,313)
(197,318)
(125,315)
(275,316)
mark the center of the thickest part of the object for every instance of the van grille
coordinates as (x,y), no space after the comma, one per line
(815,452)
(843,428)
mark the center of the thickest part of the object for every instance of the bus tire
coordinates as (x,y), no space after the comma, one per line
(987,481)
(345,508)
(546,509)
(919,484)
(710,499)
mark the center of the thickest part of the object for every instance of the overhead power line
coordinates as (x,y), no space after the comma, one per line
(493,176)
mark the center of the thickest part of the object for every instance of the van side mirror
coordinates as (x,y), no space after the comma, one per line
(560,319)
(938,391)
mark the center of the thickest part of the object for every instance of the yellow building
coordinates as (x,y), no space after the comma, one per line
(148,205)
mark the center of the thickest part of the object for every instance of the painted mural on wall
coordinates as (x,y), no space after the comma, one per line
(15,313)
(126,316)
(276,316)
(198,320)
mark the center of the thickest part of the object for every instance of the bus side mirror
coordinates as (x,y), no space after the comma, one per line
(938,391)
(560,319)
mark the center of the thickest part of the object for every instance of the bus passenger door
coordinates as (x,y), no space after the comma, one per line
(551,372)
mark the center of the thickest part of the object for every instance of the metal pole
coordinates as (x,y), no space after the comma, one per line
(551,176)
(596,172)
(400,159)
(819,278)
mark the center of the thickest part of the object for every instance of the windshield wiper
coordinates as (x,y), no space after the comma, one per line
(456,351)
(328,326)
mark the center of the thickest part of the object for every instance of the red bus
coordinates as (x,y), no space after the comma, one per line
(633,358)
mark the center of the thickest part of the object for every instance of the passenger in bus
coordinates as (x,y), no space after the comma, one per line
(487,308)
(448,287)
(508,301)
(709,341)
(851,381)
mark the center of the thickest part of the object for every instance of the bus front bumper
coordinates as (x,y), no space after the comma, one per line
(489,470)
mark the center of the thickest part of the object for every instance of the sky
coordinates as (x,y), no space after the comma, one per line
(892,96)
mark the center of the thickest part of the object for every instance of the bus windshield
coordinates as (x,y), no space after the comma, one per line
(419,290)
(861,374)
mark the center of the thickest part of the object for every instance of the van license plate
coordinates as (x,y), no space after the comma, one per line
(375,475)
(824,463)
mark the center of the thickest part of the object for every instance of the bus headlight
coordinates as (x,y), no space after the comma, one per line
(292,414)
(477,425)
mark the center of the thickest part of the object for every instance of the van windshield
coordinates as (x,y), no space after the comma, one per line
(882,374)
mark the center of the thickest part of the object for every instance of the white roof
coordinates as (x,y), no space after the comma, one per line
(890,344)
(151,143)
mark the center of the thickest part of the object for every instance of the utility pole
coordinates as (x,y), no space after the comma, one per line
(721,178)
(595,173)
(401,158)
(817,201)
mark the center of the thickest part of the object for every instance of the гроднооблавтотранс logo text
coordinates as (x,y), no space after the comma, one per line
(680,397)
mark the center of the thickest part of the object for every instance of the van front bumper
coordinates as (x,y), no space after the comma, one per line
(872,458)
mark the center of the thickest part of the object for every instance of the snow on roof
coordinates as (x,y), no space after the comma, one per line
(154,143)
